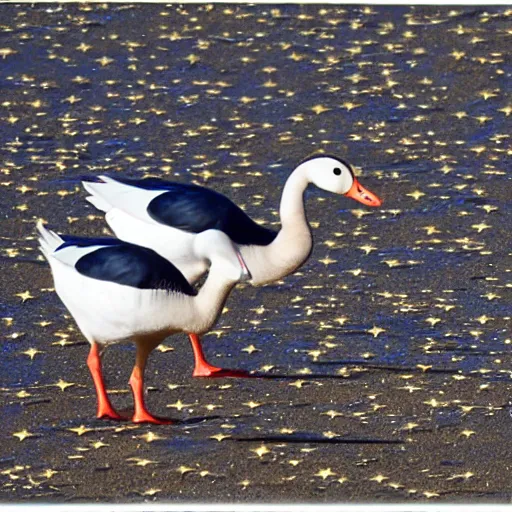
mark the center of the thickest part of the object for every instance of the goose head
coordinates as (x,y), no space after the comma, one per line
(332,174)
(216,247)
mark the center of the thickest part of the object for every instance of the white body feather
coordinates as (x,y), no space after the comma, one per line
(126,205)
(107,312)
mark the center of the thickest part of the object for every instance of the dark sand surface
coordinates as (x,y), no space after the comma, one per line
(387,356)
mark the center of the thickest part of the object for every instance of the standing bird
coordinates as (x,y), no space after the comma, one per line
(117,291)
(167,216)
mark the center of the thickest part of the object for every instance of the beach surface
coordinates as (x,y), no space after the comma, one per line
(382,368)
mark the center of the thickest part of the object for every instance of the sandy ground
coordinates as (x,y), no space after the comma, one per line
(386,358)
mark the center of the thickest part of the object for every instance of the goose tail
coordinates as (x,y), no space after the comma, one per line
(49,241)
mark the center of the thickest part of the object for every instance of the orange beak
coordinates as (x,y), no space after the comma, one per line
(359,193)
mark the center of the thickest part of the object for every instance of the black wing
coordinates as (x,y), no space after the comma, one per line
(195,209)
(128,264)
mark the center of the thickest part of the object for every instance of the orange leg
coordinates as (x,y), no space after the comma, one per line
(141,414)
(105,409)
(203,368)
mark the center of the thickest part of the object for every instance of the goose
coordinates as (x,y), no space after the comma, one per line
(167,216)
(117,291)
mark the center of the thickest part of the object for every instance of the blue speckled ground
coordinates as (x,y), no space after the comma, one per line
(388,352)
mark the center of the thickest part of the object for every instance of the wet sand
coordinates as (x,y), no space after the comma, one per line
(386,358)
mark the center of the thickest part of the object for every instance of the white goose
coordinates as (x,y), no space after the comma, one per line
(117,291)
(167,216)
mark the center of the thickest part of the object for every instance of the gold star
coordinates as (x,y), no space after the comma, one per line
(63,385)
(105,61)
(332,414)
(25,296)
(391,263)
(460,115)
(350,106)
(252,404)
(261,450)
(5,52)
(376,331)
(141,462)
(219,437)
(467,433)
(192,58)
(458,55)
(506,110)
(480,227)
(83,47)
(149,437)
(325,473)
(164,348)
(81,430)
(431,230)
(184,470)
(151,492)
(179,405)
(250,349)
(318,109)
(416,194)
(487,94)
(98,444)
(483,319)
(22,435)
(49,473)
(31,352)
(298,383)
(379,478)
(367,248)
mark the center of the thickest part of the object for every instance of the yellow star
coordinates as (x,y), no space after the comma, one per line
(31,352)
(379,478)
(49,473)
(149,437)
(105,61)
(416,194)
(25,296)
(164,348)
(350,106)
(367,248)
(81,430)
(98,444)
(467,433)
(192,58)
(261,450)
(376,331)
(83,47)
(325,473)
(179,405)
(250,349)
(487,94)
(431,230)
(251,404)
(506,110)
(184,470)
(219,437)
(480,227)
(63,385)
(141,462)
(22,435)
(318,109)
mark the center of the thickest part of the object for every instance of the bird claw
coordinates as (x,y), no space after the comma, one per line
(145,417)
(215,372)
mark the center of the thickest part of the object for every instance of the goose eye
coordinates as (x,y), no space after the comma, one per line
(337,171)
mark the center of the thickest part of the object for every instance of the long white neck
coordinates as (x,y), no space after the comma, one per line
(210,300)
(293,243)
(291,210)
